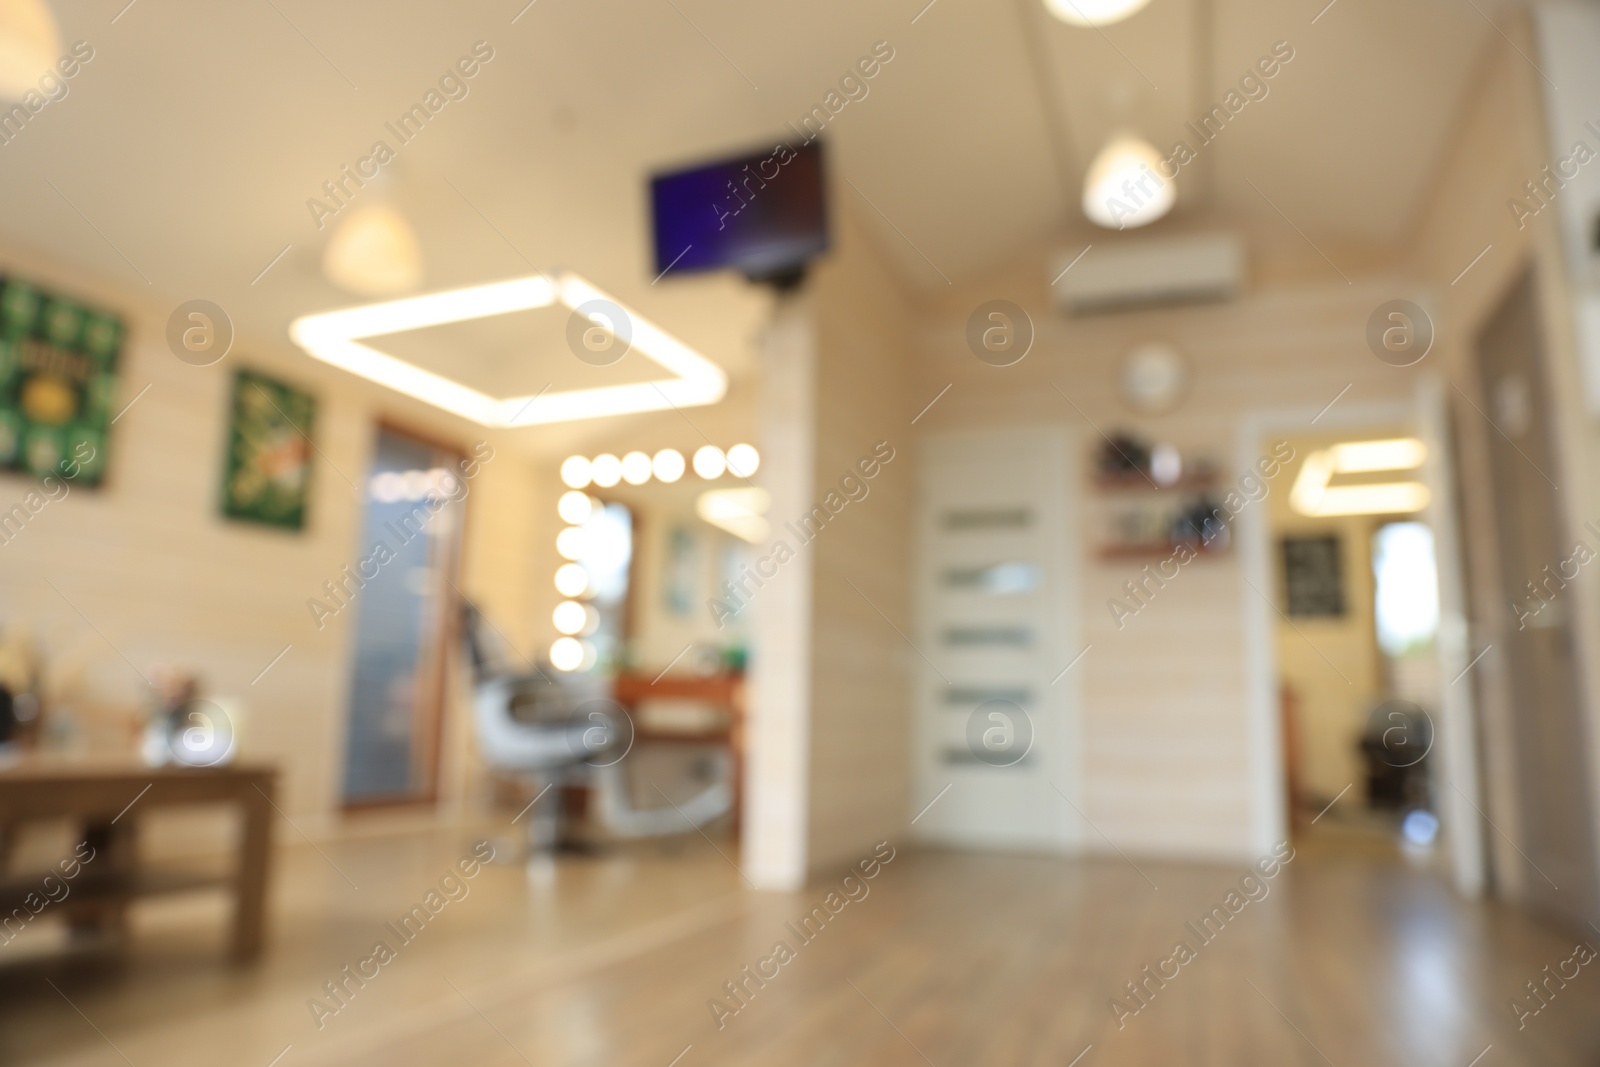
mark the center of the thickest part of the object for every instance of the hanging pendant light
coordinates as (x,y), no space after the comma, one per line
(1124,186)
(1093,12)
(374,252)
(29,46)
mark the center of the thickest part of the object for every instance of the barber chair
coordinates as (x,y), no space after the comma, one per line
(554,728)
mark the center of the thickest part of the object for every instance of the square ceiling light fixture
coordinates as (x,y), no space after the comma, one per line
(335,337)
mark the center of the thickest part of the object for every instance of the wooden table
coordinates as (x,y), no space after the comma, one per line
(726,691)
(107,798)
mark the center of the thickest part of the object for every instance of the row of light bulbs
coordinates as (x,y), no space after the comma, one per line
(667,465)
(573,619)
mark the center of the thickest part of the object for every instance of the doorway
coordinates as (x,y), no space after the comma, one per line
(401,588)
(1356,634)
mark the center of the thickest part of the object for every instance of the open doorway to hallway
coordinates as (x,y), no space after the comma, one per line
(1356,639)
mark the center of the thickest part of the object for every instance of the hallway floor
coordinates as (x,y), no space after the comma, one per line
(948,959)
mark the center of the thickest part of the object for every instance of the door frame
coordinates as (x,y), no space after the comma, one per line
(1457,733)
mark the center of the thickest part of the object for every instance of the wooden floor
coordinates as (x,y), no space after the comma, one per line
(952,959)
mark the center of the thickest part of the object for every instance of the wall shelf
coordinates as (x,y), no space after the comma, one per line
(1152,552)
(1135,482)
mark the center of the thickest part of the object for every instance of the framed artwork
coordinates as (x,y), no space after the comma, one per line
(267,476)
(680,577)
(58,365)
(1313,575)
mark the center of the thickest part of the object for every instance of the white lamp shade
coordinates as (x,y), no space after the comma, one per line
(1093,12)
(374,252)
(1124,186)
(30,44)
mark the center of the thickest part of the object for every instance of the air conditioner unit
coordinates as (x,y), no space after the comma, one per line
(1150,271)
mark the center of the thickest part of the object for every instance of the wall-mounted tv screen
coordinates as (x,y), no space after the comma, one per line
(764,214)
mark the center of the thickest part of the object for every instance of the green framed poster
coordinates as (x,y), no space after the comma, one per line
(268,470)
(58,366)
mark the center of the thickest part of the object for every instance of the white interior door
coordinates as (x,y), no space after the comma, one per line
(995,706)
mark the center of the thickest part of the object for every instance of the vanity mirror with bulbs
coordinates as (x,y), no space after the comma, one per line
(655,556)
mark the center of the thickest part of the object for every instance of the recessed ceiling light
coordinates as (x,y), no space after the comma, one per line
(1093,12)
(1123,187)
(334,337)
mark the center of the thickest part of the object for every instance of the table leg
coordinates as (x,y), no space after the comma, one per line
(115,859)
(250,889)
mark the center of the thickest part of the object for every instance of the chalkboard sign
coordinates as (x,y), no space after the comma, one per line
(1313,575)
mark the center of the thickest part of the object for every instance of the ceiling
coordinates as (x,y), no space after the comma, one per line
(517,354)
(183,159)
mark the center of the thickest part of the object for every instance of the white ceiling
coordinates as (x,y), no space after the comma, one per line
(190,144)
(519,354)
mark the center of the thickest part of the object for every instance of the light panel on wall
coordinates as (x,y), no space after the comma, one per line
(334,337)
